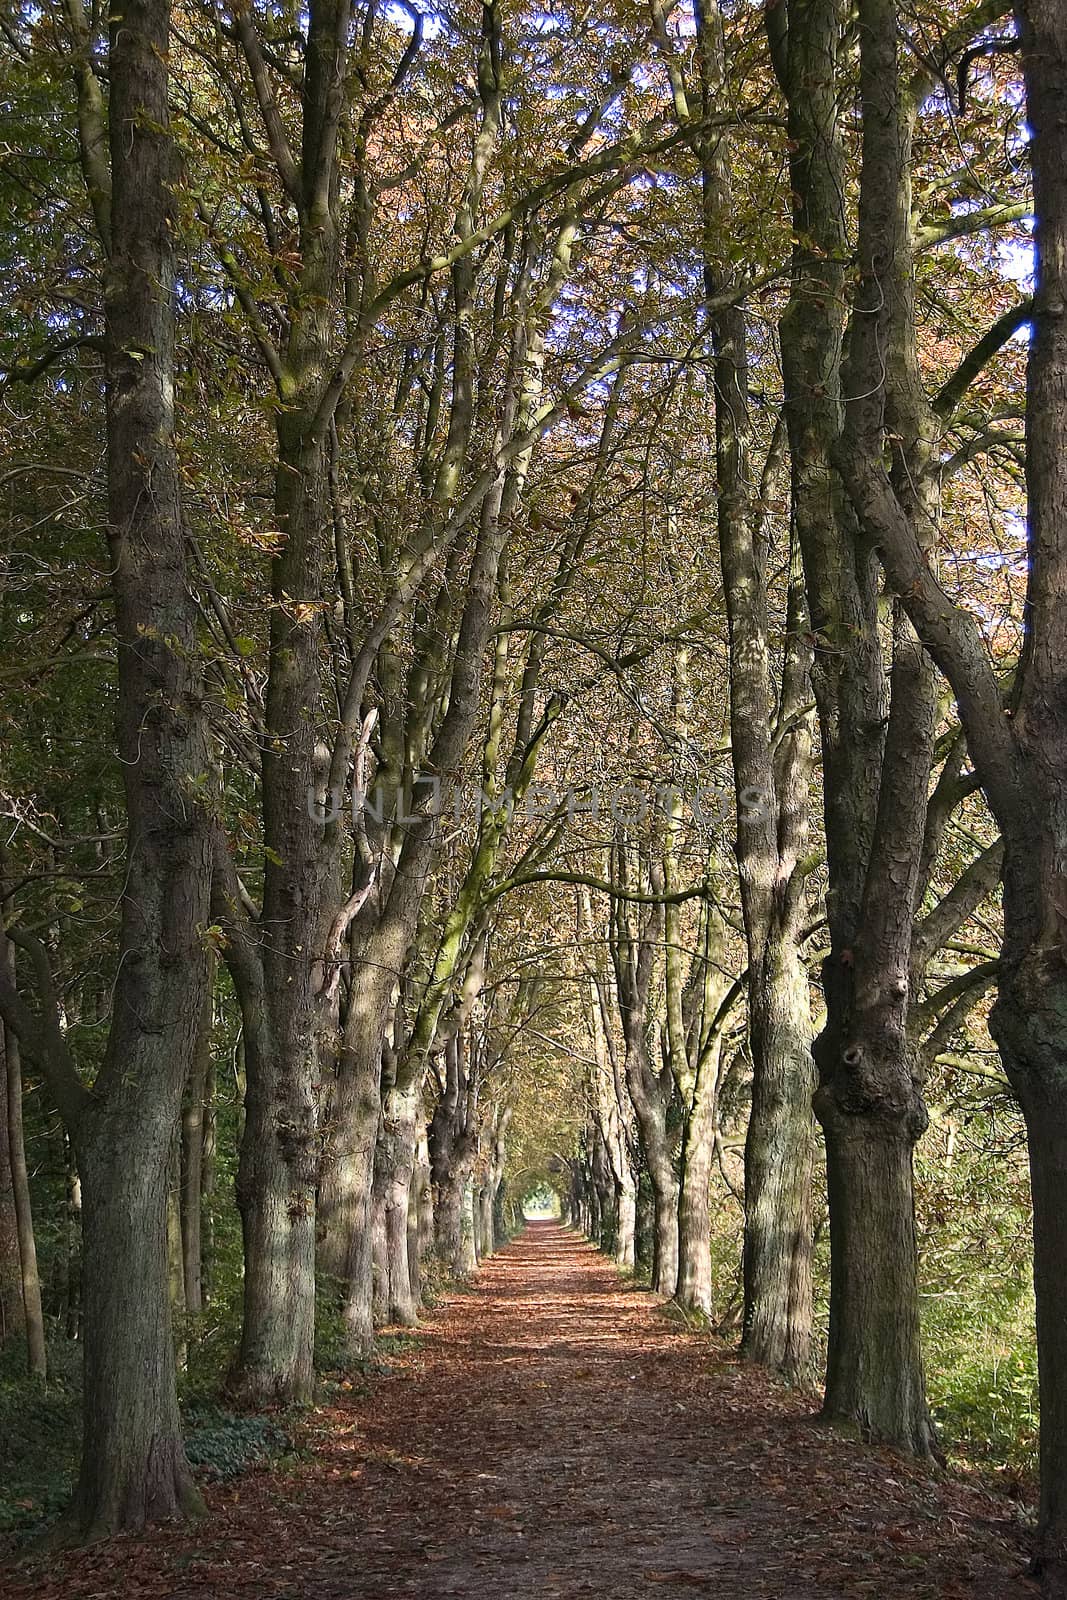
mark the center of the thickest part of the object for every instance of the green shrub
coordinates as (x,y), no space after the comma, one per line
(40,1435)
(982,1380)
(221,1445)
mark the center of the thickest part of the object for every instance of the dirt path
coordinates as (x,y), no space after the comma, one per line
(554,1435)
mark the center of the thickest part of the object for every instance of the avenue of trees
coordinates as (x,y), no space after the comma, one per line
(533,641)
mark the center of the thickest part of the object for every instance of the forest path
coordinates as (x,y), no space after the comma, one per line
(553,1434)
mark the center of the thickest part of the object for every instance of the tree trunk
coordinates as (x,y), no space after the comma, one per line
(483,1220)
(626,1204)
(448,1219)
(422,1202)
(28,1280)
(275,1194)
(1028,1023)
(694,1290)
(644,1224)
(32,1314)
(665,1229)
(424,1199)
(208,1137)
(651,1114)
(133,1467)
(453,1143)
(346,1189)
(12,1316)
(876,745)
(1046,1120)
(874,1374)
(72,1306)
(779,1153)
(1029,1020)
(870,1104)
(194,1115)
(394,1164)
(604,1183)
(500,1215)
(468,1252)
(771,754)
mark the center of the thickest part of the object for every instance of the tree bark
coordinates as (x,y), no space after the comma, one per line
(501,1208)
(29,1316)
(448,1218)
(421,1240)
(647,1095)
(12,1316)
(779,1153)
(346,1245)
(694,1287)
(876,737)
(275,1196)
(195,1116)
(277,958)
(468,1252)
(133,1462)
(394,1165)
(770,747)
(72,1283)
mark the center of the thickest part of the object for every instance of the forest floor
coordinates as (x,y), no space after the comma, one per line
(553,1433)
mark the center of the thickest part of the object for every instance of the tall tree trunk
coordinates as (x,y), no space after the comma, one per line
(279,963)
(27,1281)
(12,1316)
(284,1015)
(72,1243)
(133,1462)
(208,1162)
(501,1208)
(694,1289)
(604,1182)
(874,1375)
(877,738)
(1023,763)
(626,1244)
(394,1165)
(779,1152)
(448,1218)
(771,753)
(659,1163)
(1030,1016)
(422,1200)
(346,1190)
(633,953)
(194,1117)
(870,1102)
(468,1250)
(275,1195)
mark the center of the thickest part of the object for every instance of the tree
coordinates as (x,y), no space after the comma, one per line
(123,1128)
(877,732)
(20,1285)
(1018,747)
